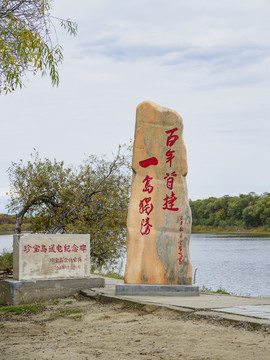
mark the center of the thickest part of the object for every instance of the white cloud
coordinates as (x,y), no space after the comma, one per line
(208,60)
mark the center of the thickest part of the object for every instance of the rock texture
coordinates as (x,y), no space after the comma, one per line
(159,217)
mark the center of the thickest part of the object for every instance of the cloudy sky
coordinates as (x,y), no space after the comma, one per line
(208,60)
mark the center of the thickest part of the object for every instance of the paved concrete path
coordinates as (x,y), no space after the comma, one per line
(235,308)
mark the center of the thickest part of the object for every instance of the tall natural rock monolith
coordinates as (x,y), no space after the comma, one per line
(159,216)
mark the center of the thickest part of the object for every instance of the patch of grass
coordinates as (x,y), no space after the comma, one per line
(110,274)
(218,291)
(132,306)
(6,260)
(22,310)
(194,277)
(65,313)
(77,317)
(222,291)
(68,302)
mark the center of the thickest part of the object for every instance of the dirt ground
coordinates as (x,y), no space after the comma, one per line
(78,328)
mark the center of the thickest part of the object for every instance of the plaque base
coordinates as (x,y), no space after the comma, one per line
(156,290)
(14,292)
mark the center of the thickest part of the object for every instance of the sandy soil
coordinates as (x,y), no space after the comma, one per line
(77,328)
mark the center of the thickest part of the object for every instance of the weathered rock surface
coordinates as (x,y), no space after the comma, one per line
(159,217)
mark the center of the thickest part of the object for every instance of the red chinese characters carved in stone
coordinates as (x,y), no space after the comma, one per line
(171,139)
(180,253)
(170,156)
(83,248)
(145,207)
(170,180)
(169,202)
(59,248)
(36,248)
(145,226)
(75,248)
(67,248)
(43,248)
(27,248)
(52,248)
(148,162)
(147,187)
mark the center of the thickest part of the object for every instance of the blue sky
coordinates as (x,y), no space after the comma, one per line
(208,60)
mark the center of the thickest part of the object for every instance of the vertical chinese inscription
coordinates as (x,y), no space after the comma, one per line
(170,199)
(159,217)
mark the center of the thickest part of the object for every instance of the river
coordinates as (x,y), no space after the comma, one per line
(238,264)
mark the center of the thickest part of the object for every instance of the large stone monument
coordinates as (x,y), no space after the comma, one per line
(159,216)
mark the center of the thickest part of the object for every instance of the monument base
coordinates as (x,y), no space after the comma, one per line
(14,292)
(156,290)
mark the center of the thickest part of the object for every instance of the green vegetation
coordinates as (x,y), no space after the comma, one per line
(232,213)
(92,199)
(110,274)
(194,275)
(7,223)
(64,313)
(24,309)
(28,42)
(218,291)
(6,260)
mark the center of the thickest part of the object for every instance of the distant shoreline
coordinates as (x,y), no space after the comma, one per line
(195,230)
(260,231)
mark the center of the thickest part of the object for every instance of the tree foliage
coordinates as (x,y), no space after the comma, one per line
(92,198)
(249,210)
(28,41)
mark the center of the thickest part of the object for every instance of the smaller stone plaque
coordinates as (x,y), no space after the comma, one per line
(50,256)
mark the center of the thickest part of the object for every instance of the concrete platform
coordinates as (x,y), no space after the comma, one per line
(156,290)
(13,292)
(258,311)
(252,311)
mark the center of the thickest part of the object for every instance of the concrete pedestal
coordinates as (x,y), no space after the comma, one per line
(156,290)
(13,292)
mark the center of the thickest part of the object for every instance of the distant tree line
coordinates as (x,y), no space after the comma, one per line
(7,219)
(7,222)
(246,211)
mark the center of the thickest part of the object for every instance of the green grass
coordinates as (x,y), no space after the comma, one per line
(222,291)
(65,313)
(110,274)
(6,260)
(218,291)
(22,310)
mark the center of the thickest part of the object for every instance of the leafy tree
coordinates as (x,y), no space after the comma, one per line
(90,199)
(249,210)
(28,41)
(265,212)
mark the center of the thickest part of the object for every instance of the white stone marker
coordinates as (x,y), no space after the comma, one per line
(51,256)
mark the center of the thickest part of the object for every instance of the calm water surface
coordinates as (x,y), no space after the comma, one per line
(238,264)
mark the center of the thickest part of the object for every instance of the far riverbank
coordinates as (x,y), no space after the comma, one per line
(201,229)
